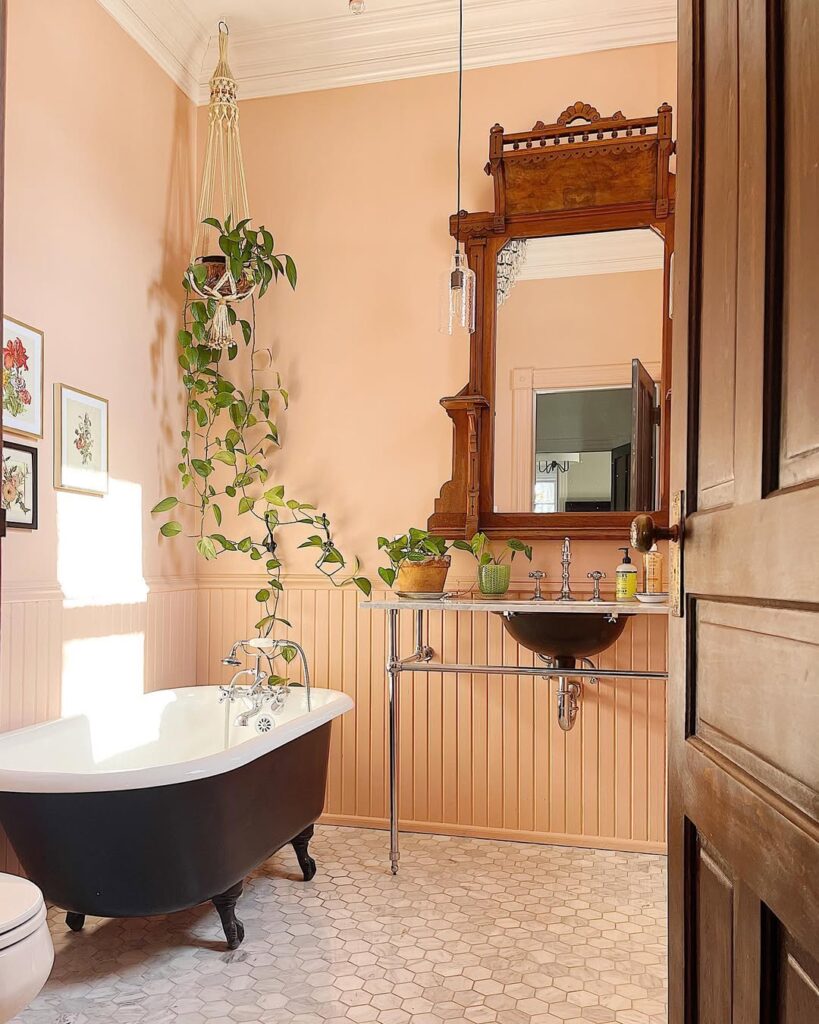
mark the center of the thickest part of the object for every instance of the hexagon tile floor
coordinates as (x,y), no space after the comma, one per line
(470,930)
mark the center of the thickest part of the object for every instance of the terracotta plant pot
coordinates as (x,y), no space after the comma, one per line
(427,577)
(493,579)
(216,268)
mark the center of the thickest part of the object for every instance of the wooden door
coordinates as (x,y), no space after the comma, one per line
(744,663)
(643,421)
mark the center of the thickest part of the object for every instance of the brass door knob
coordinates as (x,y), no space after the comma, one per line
(645,532)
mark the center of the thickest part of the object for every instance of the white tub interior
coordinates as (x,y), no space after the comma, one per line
(165,736)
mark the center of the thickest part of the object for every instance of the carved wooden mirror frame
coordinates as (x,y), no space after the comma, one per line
(603,174)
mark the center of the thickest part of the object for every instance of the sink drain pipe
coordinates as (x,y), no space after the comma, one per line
(568,692)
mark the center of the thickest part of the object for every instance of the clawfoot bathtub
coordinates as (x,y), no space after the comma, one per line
(165,802)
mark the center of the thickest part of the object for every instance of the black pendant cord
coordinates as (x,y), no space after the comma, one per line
(460,120)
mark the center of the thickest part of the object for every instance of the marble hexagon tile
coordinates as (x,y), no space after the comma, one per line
(470,930)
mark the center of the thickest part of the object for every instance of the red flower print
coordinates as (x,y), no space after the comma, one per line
(14,354)
(25,397)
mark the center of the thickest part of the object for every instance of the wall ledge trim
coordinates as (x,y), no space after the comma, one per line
(586,842)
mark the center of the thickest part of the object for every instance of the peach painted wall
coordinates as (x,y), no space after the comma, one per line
(99,191)
(571,323)
(358,184)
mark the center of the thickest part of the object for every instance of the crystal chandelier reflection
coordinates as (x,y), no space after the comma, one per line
(510,263)
(458,294)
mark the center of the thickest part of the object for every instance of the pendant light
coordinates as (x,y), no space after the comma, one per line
(458,293)
(223,193)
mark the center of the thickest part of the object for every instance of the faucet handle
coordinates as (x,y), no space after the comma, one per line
(537,575)
(597,575)
(225,694)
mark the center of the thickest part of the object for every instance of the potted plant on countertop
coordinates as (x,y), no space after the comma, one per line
(493,571)
(419,562)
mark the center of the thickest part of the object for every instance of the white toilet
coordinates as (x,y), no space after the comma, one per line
(26,952)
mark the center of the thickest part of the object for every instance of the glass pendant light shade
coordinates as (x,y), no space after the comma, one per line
(458,297)
(357,6)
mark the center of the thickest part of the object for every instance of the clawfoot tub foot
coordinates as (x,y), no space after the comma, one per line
(75,921)
(225,903)
(300,844)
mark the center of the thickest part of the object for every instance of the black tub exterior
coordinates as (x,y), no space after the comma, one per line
(138,852)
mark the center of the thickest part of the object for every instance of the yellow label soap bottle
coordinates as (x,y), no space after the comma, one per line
(625,579)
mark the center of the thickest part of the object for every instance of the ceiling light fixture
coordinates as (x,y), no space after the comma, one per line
(458,296)
(357,6)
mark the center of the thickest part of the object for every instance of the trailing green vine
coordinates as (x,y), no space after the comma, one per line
(230,434)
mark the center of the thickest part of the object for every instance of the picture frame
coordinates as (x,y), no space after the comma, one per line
(23,354)
(80,441)
(20,496)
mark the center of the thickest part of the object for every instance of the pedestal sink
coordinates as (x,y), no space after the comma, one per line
(564,636)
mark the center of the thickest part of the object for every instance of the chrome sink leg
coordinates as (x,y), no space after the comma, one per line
(393,677)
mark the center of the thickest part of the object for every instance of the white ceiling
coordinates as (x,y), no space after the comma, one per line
(604,252)
(285,46)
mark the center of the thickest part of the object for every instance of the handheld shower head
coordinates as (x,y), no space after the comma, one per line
(231,659)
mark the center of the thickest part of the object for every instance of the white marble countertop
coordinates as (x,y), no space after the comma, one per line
(513,603)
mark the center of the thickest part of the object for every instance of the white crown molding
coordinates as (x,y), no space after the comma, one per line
(419,38)
(608,252)
(169,32)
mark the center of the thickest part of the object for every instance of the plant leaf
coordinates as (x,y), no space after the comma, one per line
(170,529)
(165,505)
(206,548)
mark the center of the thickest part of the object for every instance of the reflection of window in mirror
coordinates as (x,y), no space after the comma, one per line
(578,364)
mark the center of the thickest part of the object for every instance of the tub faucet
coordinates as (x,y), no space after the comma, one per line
(257,694)
(566,561)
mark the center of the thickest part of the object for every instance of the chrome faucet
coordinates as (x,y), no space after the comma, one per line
(257,694)
(566,561)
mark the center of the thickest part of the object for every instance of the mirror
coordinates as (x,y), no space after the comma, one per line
(578,363)
(562,427)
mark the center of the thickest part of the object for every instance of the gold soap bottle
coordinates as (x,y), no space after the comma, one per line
(653,571)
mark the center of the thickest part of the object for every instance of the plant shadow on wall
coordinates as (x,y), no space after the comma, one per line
(230,431)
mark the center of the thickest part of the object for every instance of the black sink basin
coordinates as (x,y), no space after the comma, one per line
(564,636)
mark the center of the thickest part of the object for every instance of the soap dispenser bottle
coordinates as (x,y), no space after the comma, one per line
(653,569)
(625,579)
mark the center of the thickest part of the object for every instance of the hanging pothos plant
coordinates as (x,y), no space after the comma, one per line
(230,434)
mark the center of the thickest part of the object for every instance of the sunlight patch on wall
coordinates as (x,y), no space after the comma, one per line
(99,552)
(101,670)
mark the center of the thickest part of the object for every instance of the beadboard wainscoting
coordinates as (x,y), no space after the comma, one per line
(55,653)
(480,755)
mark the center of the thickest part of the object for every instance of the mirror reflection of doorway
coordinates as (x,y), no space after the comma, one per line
(577,433)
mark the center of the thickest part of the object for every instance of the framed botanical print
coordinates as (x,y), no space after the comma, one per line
(80,441)
(19,485)
(22,379)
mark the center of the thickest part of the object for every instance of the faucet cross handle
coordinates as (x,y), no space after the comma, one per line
(225,694)
(596,576)
(537,576)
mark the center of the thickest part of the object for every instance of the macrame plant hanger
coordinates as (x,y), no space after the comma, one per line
(223,178)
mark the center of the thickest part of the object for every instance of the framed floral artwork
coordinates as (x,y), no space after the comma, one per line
(80,441)
(22,379)
(19,485)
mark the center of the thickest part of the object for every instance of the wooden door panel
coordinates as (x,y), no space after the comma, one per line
(744,662)
(799,155)
(791,988)
(719,139)
(744,701)
(714,925)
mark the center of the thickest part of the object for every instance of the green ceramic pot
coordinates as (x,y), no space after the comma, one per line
(494,579)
